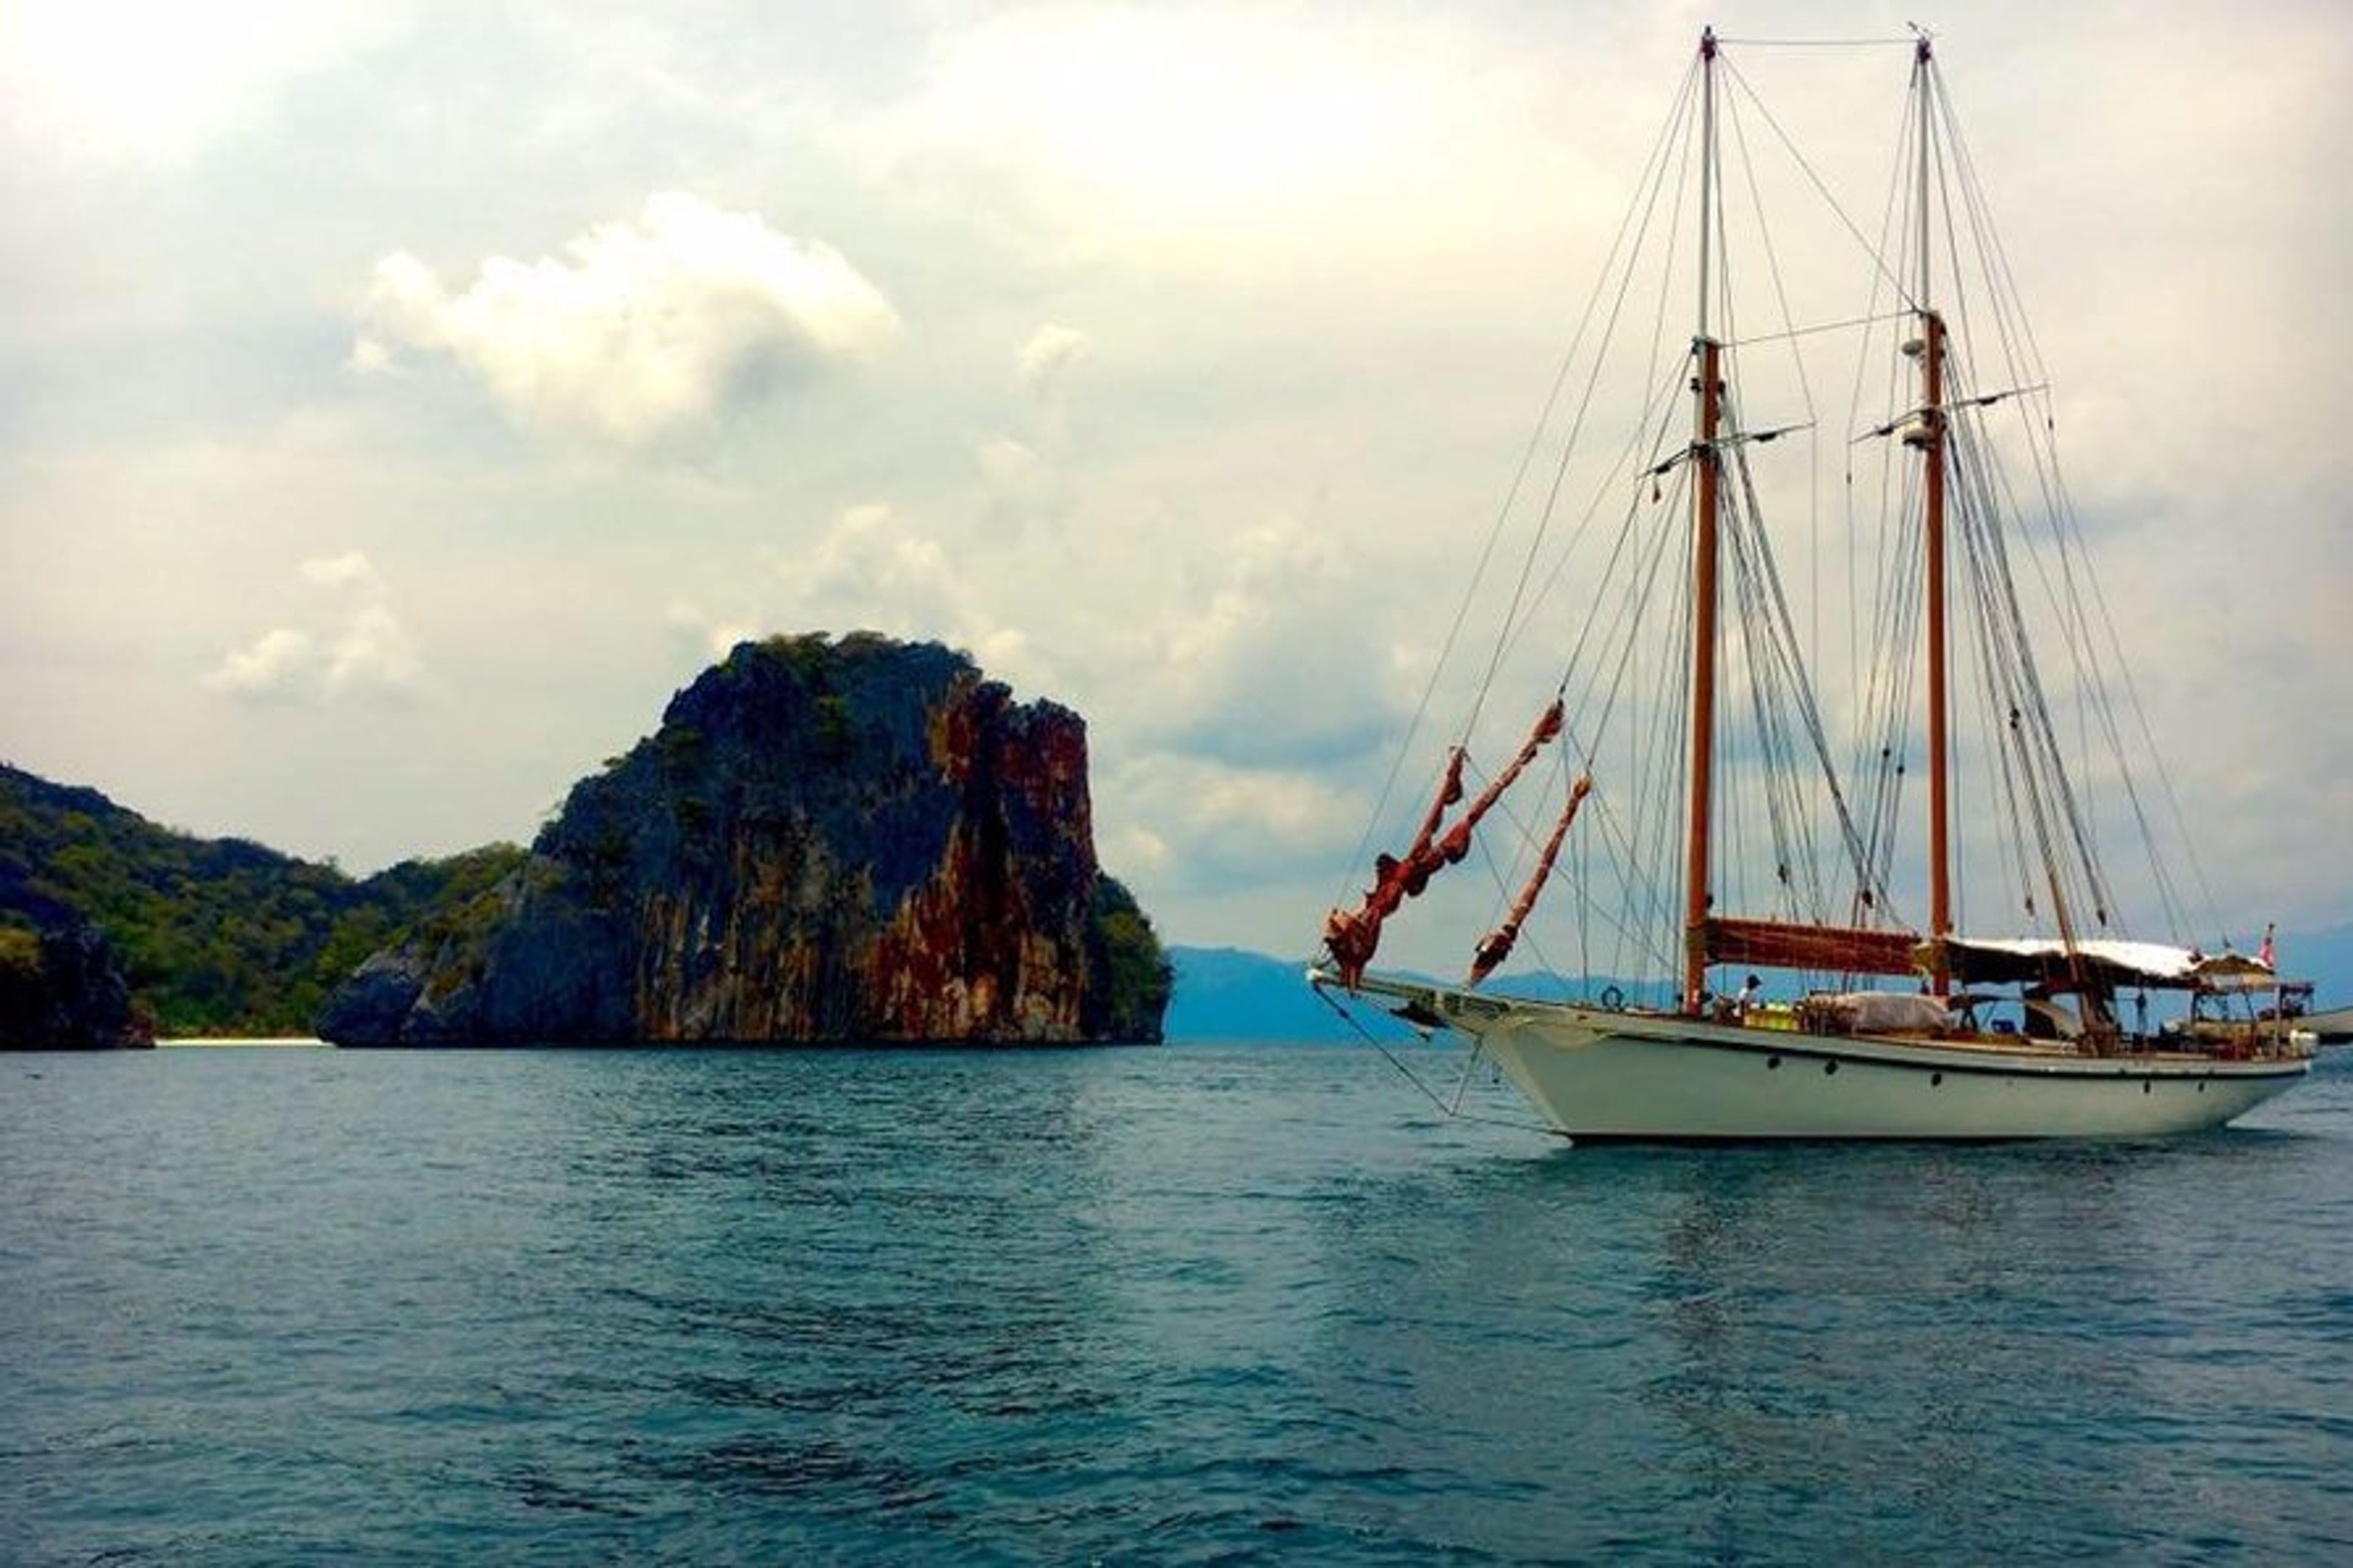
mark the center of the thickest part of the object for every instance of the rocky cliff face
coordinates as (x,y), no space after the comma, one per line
(61,989)
(852,840)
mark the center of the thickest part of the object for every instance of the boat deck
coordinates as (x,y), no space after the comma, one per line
(2255,1043)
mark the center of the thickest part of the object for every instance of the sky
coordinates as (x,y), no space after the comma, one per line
(399,403)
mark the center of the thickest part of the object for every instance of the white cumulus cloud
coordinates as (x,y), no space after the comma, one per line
(703,633)
(639,330)
(1048,357)
(1285,599)
(276,665)
(373,655)
(1199,821)
(369,357)
(351,569)
(366,653)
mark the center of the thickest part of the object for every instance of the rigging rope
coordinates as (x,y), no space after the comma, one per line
(1455,1111)
(1643,209)
(2032,745)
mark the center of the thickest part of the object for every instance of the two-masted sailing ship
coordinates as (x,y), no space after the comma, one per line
(1746,883)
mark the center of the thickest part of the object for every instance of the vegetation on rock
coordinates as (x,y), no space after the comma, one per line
(857,840)
(850,839)
(1141,978)
(213,936)
(61,989)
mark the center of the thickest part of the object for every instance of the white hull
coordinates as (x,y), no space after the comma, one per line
(1599,1074)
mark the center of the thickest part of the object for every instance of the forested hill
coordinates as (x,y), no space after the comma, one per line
(215,936)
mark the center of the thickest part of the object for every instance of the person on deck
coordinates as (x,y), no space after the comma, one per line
(1751,995)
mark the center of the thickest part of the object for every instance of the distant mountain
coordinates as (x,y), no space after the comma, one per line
(1227,993)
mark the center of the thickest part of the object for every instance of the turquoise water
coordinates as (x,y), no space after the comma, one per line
(1188,1305)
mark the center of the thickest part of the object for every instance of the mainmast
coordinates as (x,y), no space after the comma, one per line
(1930,439)
(1709,386)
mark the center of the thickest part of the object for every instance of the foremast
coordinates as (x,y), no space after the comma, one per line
(1929,438)
(1351,936)
(1707,530)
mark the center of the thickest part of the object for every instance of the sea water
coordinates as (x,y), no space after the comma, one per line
(1183,1305)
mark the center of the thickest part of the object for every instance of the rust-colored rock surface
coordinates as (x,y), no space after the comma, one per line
(852,840)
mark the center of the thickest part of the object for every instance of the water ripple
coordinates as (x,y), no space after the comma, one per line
(1185,1306)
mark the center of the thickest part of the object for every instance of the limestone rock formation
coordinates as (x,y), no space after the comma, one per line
(62,989)
(852,840)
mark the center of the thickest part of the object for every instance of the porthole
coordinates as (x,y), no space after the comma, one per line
(2146,1087)
(1772,1062)
(1828,1068)
(1936,1080)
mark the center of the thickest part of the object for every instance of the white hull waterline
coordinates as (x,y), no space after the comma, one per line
(1599,1074)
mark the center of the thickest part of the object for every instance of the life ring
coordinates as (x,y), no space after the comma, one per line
(1612,998)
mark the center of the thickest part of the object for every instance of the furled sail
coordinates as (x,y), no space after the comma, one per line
(1352,936)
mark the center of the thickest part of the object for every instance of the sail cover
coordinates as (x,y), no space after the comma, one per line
(1780,944)
(2106,961)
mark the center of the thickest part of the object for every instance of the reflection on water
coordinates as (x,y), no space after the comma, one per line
(1736,1353)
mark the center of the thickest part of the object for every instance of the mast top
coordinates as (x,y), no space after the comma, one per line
(1707,43)
(1925,50)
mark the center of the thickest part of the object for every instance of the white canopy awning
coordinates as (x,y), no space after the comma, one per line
(2110,961)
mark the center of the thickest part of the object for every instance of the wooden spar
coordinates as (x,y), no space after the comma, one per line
(1352,936)
(1457,842)
(1498,943)
(1450,790)
(1710,388)
(1940,810)
(1704,638)
(1932,456)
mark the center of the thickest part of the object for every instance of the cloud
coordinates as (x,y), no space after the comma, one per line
(276,665)
(350,569)
(369,357)
(641,331)
(1170,119)
(1309,262)
(1022,486)
(875,568)
(872,569)
(706,635)
(1007,465)
(1287,600)
(873,559)
(368,655)
(1048,357)
(1201,823)
(140,84)
(373,655)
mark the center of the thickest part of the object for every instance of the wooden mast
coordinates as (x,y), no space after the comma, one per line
(1710,388)
(1932,454)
